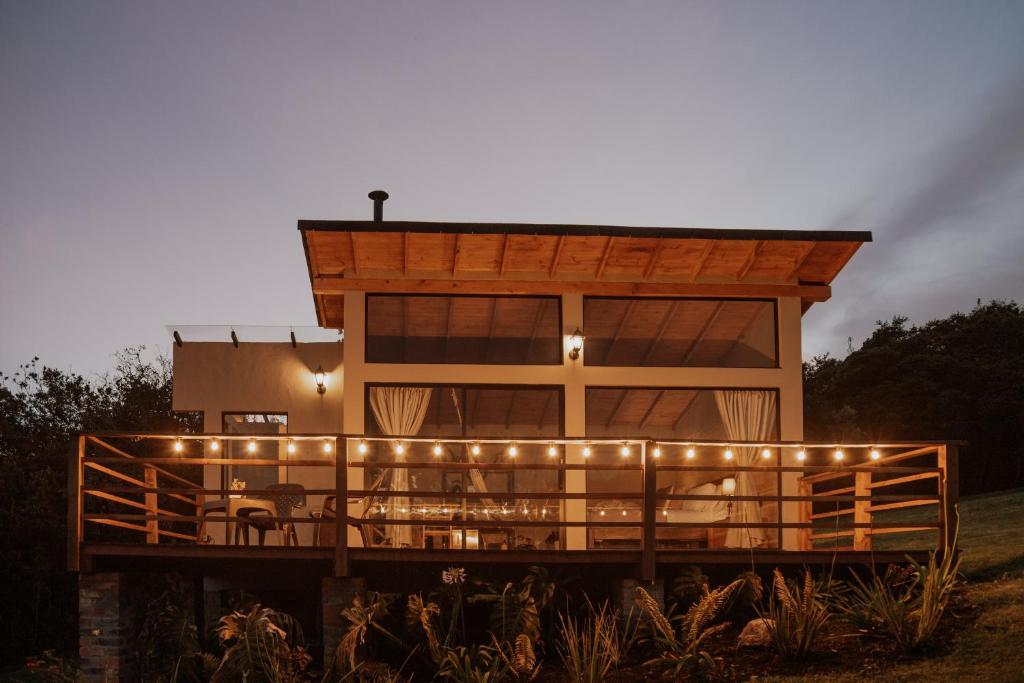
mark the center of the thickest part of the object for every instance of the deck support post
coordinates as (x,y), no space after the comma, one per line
(949,491)
(75,474)
(649,536)
(806,510)
(336,594)
(862,511)
(152,508)
(341,567)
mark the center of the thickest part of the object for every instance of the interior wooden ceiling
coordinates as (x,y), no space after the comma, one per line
(549,259)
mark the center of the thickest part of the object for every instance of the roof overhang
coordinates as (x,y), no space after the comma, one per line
(503,258)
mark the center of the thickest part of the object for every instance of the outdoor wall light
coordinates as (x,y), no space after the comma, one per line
(575,344)
(321,380)
(729,486)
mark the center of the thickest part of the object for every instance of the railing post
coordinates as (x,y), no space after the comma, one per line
(862,511)
(806,508)
(75,475)
(649,535)
(341,567)
(152,508)
(949,466)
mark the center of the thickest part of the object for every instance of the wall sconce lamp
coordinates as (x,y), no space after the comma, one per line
(729,486)
(321,380)
(575,344)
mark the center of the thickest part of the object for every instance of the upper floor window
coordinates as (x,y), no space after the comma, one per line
(510,330)
(736,333)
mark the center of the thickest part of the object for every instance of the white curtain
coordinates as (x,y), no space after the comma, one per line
(399,411)
(747,416)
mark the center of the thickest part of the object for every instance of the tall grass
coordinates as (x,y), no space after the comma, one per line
(796,615)
(591,646)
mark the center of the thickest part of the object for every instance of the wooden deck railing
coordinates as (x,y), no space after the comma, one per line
(588,495)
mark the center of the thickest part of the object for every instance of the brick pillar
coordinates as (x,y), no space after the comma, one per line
(102,629)
(625,593)
(335,595)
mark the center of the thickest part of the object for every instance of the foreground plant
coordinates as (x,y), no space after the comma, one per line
(590,647)
(796,615)
(256,649)
(474,664)
(682,650)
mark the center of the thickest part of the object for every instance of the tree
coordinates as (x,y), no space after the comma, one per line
(41,410)
(955,378)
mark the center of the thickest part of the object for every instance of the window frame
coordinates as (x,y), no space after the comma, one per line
(557,298)
(776,336)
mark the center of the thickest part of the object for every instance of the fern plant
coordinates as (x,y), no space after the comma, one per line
(796,615)
(520,660)
(683,650)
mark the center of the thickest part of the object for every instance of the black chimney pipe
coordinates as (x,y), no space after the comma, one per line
(378,197)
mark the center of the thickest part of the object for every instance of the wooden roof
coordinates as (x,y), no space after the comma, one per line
(479,258)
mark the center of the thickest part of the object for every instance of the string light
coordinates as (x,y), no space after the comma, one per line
(586,451)
(875,455)
(363,447)
(475,449)
(399,448)
(437,448)
(601,513)
(801,456)
(328,447)
(690,454)
(664,512)
(513,451)
(552,451)
(178,446)
(623,513)
(624,450)
(766,453)
(657,451)
(215,445)
(838,455)
(251,446)
(291,447)
(728,454)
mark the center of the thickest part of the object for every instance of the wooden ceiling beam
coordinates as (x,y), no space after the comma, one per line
(698,266)
(653,262)
(541,305)
(339,285)
(702,333)
(682,413)
(504,254)
(661,331)
(447,328)
(544,412)
(801,259)
(615,410)
(618,329)
(405,253)
(650,409)
(456,250)
(355,252)
(604,258)
(749,262)
(558,254)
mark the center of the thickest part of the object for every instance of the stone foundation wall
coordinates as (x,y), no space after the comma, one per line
(335,595)
(102,628)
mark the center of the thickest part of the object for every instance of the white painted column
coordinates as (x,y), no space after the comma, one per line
(575,422)
(791,407)
(353,408)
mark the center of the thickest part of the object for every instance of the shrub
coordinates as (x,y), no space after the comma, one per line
(590,647)
(795,615)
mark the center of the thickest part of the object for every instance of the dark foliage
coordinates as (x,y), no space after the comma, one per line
(956,378)
(41,409)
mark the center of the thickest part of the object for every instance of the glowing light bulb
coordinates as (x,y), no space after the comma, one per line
(291,447)
(475,449)
(552,451)
(623,513)
(664,512)
(801,456)
(766,453)
(728,454)
(437,449)
(178,446)
(215,445)
(601,513)
(624,450)
(362,448)
(513,451)
(328,447)
(690,454)
(399,449)
(251,446)
(875,455)
(586,451)
(838,455)
(657,452)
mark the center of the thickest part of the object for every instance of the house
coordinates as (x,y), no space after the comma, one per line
(500,393)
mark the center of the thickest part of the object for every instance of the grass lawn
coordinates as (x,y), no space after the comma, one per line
(991,649)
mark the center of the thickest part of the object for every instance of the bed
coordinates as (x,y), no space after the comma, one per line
(689,511)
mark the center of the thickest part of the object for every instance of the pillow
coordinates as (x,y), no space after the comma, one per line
(708,489)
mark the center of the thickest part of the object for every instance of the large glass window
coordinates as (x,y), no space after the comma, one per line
(680,332)
(512,330)
(254,476)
